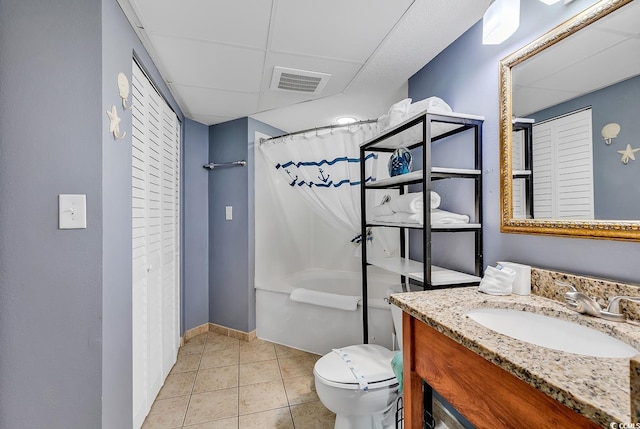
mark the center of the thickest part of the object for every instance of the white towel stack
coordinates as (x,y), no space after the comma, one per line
(408,208)
(404,109)
(410,203)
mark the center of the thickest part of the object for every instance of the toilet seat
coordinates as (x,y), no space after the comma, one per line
(371,361)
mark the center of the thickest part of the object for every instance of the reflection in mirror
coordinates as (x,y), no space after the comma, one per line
(569,107)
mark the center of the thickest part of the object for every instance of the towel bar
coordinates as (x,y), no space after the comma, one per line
(213,165)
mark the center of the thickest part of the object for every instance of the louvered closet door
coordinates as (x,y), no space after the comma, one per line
(155,228)
(563,167)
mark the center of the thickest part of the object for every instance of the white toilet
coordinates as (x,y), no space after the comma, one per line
(369,404)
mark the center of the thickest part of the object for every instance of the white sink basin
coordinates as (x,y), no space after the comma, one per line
(552,333)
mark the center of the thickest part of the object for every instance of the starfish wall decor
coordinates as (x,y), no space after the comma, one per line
(628,154)
(114,123)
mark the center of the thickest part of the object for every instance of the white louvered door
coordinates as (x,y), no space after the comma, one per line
(563,167)
(155,243)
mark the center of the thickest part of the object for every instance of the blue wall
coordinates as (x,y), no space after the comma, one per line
(613,197)
(50,279)
(231,243)
(465,75)
(65,295)
(229,239)
(196,230)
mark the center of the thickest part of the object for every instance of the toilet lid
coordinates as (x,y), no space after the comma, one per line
(371,361)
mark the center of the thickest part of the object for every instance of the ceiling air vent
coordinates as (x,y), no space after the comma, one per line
(298,80)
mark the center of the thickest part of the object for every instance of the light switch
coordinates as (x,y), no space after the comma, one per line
(228,215)
(72,210)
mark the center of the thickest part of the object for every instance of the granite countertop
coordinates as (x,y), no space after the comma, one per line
(598,388)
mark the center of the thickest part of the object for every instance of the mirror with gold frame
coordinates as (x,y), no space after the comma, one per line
(563,73)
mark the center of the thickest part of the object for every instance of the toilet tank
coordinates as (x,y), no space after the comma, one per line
(396,314)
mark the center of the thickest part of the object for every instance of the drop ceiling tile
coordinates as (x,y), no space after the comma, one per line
(211,119)
(562,55)
(210,65)
(214,102)
(244,23)
(530,100)
(276,99)
(619,21)
(608,67)
(349,30)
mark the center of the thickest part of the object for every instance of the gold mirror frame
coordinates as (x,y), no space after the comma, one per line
(602,229)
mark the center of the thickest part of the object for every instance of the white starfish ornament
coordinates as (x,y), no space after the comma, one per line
(114,123)
(628,154)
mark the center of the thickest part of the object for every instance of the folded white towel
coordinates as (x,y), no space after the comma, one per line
(396,114)
(383,209)
(400,217)
(324,299)
(431,104)
(437,217)
(407,203)
(403,109)
(443,216)
(497,281)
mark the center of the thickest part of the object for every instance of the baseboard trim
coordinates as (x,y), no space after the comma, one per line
(233,333)
(218,329)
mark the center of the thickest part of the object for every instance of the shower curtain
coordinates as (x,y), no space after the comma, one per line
(324,167)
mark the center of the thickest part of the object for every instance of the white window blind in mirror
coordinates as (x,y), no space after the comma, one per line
(155,242)
(563,167)
(518,187)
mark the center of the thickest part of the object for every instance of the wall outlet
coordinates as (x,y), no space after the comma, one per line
(228,212)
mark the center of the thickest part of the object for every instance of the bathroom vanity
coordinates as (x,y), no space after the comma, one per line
(494,380)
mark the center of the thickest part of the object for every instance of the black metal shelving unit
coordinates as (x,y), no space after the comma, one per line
(422,130)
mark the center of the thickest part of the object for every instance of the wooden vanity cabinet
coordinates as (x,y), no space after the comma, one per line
(485,394)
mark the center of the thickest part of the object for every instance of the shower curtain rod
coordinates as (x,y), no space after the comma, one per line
(326,127)
(213,165)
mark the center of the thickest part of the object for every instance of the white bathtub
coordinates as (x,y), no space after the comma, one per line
(319,329)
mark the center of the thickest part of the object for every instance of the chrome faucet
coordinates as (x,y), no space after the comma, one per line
(578,301)
(613,312)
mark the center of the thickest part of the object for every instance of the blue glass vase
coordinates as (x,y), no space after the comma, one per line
(400,162)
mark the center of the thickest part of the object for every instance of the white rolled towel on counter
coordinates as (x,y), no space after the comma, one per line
(324,299)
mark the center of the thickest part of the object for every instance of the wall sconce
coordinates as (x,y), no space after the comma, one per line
(610,132)
(500,21)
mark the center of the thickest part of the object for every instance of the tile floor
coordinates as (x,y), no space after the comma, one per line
(219,382)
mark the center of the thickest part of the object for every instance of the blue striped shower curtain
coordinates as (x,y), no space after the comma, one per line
(324,167)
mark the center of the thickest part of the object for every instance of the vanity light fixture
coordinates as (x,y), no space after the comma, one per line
(550,2)
(500,21)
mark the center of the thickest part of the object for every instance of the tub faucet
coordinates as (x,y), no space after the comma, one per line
(613,312)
